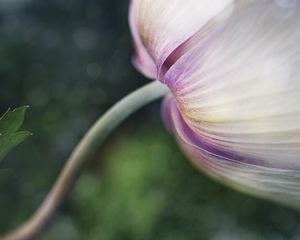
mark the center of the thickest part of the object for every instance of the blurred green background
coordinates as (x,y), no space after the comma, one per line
(70,60)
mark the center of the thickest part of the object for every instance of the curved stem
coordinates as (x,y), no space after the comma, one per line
(81,154)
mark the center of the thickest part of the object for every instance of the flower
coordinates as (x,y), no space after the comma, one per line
(233,68)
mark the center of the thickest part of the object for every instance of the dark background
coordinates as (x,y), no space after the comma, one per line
(70,60)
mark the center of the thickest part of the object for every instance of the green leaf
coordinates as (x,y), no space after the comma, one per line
(10,123)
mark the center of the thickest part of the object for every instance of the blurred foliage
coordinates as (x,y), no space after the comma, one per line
(70,61)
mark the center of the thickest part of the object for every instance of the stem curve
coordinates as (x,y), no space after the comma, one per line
(85,149)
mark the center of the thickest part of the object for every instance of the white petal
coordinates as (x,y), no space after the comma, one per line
(279,185)
(142,60)
(234,170)
(239,87)
(164,24)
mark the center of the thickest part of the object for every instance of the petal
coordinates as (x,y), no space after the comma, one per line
(230,168)
(238,87)
(165,111)
(164,25)
(142,60)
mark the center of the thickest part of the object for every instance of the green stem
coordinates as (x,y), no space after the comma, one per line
(81,154)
